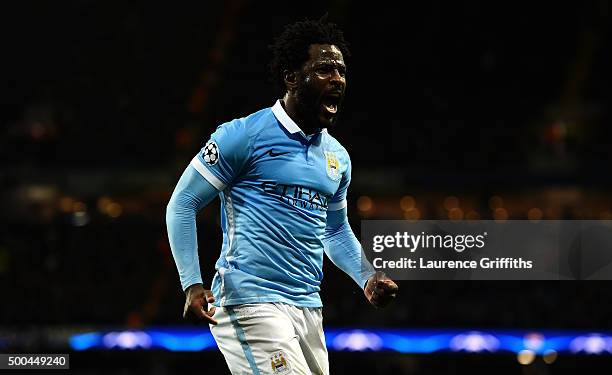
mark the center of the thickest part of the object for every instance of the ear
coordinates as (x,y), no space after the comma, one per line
(290,79)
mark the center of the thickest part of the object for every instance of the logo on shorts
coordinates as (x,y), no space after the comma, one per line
(279,363)
(211,153)
(333,165)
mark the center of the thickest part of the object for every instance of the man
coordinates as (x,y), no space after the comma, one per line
(282,180)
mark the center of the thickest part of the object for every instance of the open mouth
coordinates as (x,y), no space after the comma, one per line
(330,103)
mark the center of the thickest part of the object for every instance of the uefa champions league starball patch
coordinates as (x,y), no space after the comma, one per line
(210,154)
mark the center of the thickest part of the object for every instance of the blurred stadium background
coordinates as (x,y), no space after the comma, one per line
(454,110)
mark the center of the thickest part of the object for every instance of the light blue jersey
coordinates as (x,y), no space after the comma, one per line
(276,187)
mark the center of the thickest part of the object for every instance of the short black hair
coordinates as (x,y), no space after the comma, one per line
(290,49)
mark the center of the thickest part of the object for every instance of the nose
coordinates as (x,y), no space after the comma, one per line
(337,78)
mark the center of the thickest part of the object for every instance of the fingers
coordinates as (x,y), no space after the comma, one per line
(384,291)
(209,316)
(209,296)
(387,285)
(196,308)
(201,314)
(382,299)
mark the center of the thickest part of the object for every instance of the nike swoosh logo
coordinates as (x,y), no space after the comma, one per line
(273,154)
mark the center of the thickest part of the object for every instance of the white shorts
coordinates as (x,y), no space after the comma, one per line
(271,338)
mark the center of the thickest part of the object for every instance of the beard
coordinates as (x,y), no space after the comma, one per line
(308,103)
(310,107)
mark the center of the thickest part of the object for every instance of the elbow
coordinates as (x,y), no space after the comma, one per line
(178,209)
(332,230)
(175,205)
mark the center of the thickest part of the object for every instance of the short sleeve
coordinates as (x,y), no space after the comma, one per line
(223,157)
(338,201)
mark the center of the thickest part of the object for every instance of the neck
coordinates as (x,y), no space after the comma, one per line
(292,107)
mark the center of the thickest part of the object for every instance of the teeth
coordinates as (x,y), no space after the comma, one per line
(330,108)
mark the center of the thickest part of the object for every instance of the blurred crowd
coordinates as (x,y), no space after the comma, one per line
(454,111)
(80,268)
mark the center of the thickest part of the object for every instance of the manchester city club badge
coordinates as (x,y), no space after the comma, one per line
(279,363)
(333,165)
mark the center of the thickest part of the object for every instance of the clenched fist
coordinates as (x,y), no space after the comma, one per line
(380,290)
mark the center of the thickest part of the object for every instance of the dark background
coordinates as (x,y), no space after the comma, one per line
(462,109)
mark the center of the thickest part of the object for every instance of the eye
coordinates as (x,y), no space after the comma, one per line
(324,69)
(329,69)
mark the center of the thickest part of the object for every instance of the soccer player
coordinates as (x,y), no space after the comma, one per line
(282,180)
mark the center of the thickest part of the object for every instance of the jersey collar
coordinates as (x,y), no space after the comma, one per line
(284,118)
(287,122)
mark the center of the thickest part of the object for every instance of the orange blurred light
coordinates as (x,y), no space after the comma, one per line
(455,214)
(407,203)
(114,210)
(451,202)
(66,204)
(496,202)
(525,357)
(535,214)
(79,207)
(103,203)
(500,214)
(364,203)
(412,214)
(549,356)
